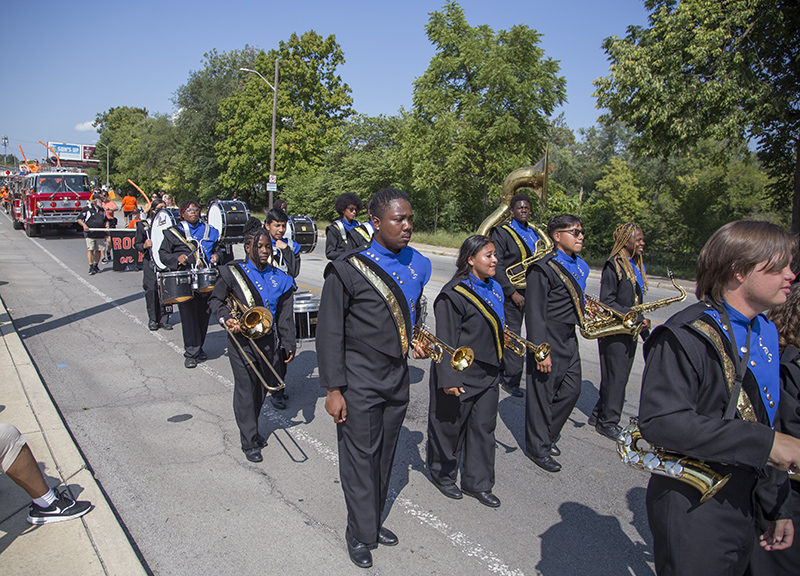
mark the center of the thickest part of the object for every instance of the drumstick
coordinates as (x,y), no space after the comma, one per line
(58,160)
(146,199)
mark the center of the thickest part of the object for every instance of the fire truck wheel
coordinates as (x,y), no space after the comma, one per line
(32,230)
(17,225)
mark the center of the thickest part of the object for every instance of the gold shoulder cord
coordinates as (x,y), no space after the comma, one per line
(481,306)
(523,248)
(572,292)
(743,404)
(382,289)
(237,275)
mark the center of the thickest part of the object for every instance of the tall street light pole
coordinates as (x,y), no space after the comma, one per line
(108,154)
(272,184)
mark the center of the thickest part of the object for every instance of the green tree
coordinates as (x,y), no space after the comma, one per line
(151,155)
(116,128)
(313,104)
(480,111)
(197,101)
(723,70)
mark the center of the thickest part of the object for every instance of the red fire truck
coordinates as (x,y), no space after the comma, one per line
(48,197)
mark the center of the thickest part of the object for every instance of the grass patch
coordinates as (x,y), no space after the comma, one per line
(441,238)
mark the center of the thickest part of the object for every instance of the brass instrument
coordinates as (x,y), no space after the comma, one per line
(253,323)
(659,461)
(519,345)
(600,320)
(460,359)
(533,178)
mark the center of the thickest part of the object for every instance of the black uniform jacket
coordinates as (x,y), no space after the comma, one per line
(353,318)
(789,407)
(685,389)
(508,254)
(284,323)
(618,292)
(142,234)
(171,249)
(335,244)
(460,323)
(291,259)
(549,300)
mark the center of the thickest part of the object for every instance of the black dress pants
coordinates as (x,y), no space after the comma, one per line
(248,391)
(195,315)
(152,298)
(511,364)
(616,359)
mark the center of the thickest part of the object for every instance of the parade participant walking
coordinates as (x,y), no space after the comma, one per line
(143,242)
(345,233)
(368,307)
(711,391)
(254,282)
(110,208)
(553,307)
(178,252)
(91,219)
(623,284)
(462,413)
(286,253)
(129,204)
(514,242)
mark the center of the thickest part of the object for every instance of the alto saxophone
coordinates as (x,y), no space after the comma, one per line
(659,461)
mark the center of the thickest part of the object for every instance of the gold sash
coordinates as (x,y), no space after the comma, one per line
(498,330)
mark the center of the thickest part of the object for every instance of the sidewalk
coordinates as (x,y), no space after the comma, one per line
(92,545)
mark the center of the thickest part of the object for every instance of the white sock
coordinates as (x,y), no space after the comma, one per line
(46,500)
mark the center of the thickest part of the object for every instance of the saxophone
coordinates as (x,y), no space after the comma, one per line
(659,461)
(602,320)
(534,178)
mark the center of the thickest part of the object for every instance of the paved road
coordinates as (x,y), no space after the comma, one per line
(164,446)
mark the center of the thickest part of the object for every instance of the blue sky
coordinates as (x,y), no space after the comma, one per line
(64,62)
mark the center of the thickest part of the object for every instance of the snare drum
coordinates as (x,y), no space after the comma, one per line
(203,279)
(175,287)
(305,317)
(229,218)
(303,231)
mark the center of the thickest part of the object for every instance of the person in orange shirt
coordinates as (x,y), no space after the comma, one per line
(129,205)
(5,197)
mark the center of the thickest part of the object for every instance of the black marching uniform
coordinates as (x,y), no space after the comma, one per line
(617,352)
(149,277)
(288,258)
(339,239)
(511,249)
(195,313)
(689,374)
(365,356)
(248,391)
(553,307)
(464,318)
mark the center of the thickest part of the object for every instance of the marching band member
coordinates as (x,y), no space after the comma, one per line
(462,412)
(368,307)
(554,305)
(345,233)
(286,253)
(514,241)
(623,284)
(178,252)
(255,282)
(144,244)
(711,391)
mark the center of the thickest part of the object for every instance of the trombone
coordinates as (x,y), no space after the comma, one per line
(460,359)
(253,323)
(518,345)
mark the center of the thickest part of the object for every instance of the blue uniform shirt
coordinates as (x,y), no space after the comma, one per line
(408,268)
(490,291)
(764,360)
(639,278)
(527,233)
(198,232)
(575,266)
(271,283)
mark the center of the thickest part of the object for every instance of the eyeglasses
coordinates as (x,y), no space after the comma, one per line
(351,209)
(574,231)
(192,209)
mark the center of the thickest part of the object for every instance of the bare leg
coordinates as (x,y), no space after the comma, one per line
(25,472)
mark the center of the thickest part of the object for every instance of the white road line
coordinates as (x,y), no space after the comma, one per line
(424,517)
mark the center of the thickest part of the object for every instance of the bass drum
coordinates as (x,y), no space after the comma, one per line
(302,230)
(163,220)
(175,287)
(229,217)
(306,309)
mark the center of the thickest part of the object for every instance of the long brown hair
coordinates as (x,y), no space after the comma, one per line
(786,317)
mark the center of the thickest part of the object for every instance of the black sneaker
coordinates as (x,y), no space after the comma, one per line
(91,270)
(64,508)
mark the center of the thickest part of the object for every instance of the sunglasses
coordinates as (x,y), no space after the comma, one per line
(574,231)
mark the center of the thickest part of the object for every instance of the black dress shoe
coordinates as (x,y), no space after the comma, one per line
(610,432)
(166,326)
(359,552)
(386,537)
(592,420)
(554,450)
(279,402)
(202,356)
(261,442)
(253,454)
(153,326)
(546,463)
(485,498)
(513,390)
(449,490)
(190,363)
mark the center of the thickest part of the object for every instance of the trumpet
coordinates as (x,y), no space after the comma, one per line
(253,323)
(460,359)
(519,345)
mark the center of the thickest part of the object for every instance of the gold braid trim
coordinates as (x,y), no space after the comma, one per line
(499,339)
(577,300)
(237,275)
(743,404)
